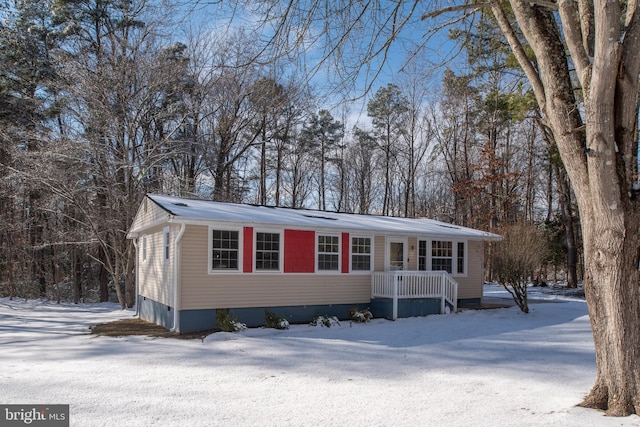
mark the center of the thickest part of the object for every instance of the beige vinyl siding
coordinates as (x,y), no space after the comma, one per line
(201,290)
(148,213)
(155,275)
(379,253)
(470,286)
(412,253)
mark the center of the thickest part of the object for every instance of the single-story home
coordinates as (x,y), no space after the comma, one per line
(195,257)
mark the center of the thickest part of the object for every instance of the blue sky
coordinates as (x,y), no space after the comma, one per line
(396,65)
(389,67)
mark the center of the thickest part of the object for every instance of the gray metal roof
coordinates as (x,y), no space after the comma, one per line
(189,210)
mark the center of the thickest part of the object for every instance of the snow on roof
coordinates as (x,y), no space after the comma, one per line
(204,210)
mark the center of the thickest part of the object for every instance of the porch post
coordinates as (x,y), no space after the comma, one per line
(442,293)
(395,296)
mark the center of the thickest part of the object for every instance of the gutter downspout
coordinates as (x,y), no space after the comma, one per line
(176,275)
(135,279)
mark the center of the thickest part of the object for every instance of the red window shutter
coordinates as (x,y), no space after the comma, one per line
(299,251)
(346,249)
(247,250)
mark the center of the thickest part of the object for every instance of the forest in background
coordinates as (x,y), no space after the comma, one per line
(104,101)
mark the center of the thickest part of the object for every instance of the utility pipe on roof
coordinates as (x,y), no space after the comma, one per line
(176,275)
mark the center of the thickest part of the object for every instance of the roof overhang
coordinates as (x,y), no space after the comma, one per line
(199,212)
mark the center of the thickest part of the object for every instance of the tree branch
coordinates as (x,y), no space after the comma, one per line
(520,54)
(587,24)
(549,4)
(449,9)
(630,42)
(577,44)
(627,95)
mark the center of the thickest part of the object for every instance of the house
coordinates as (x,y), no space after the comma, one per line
(195,257)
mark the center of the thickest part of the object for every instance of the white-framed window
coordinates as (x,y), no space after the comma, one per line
(423,257)
(328,252)
(225,249)
(447,255)
(143,244)
(442,255)
(361,252)
(461,259)
(166,243)
(268,251)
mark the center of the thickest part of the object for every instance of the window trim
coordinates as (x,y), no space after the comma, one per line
(454,255)
(166,244)
(424,257)
(351,254)
(338,236)
(464,258)
(144,249)
(280,233)
(448,246)
(210,268)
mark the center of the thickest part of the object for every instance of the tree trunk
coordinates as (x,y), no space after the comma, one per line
(115,275)
(77,274)
(279,168)
(600,156)
(612,237)
(104,276)
(564,199)
(263,163)
(129,273)
(611,289)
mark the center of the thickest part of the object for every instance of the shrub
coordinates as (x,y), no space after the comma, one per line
(360,316)
(522,250)
(325,321)
(227,323)
(272,320)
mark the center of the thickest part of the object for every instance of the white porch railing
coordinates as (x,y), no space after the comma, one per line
(403,284)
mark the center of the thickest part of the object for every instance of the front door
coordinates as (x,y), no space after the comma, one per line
(396,254)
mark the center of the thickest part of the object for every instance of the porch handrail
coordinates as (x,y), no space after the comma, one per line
(404,284)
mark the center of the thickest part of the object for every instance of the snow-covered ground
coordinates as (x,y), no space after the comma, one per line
(474,368)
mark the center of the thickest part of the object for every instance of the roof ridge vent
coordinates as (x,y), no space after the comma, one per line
(320,217)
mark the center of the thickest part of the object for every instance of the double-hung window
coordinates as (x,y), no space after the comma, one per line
(422,255)
(442,256)
(267,251)
(328,252)
(225,249)
(460,259)
(361,254)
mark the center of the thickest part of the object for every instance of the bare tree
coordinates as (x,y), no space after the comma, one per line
(299,169)
(322,134)
(228,115)
(520,252)
(455,119)
(114,84)
(280,109)
(415,141)
(388,109)
(361,156)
